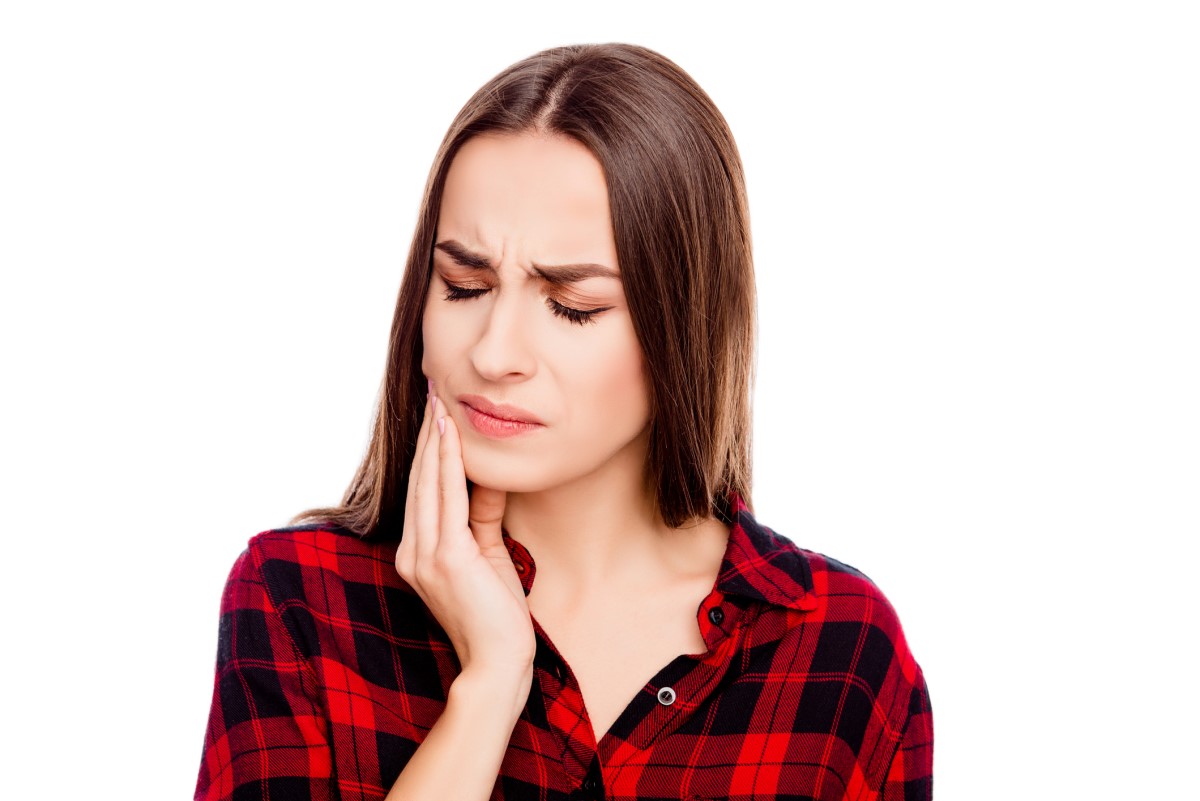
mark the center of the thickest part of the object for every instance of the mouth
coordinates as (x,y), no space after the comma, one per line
(498,420)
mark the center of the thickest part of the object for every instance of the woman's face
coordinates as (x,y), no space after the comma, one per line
(528,337)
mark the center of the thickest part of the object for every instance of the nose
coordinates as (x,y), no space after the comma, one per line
(502,352)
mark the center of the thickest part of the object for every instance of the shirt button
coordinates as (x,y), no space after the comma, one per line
(520,566)
(716,615)
(666,696)
(589,784)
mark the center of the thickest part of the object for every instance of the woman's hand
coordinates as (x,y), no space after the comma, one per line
(452,553)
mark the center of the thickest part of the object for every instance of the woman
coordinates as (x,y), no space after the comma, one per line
(566,397)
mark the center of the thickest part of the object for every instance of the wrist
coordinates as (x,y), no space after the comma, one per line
(507,691)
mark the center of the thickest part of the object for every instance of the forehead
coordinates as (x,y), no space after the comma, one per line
(542,196)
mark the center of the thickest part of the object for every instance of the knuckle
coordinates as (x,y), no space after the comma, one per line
(441,559)
(421,573)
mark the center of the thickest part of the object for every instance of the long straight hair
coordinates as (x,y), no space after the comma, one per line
(681,225)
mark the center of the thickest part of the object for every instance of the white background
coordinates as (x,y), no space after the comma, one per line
(976,233)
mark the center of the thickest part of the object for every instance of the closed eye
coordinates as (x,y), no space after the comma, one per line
(455,292)
(578,316)
(571,314)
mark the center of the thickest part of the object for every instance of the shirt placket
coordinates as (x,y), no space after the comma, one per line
(564,708)
(683,686)
(674,693)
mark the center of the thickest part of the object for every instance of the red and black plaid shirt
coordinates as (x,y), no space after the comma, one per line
(331,671)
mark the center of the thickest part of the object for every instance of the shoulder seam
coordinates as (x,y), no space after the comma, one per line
(255,554)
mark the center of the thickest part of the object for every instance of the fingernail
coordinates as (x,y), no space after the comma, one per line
(441,425)
(433,401)
(429,381)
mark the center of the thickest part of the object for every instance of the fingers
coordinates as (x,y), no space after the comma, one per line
(453,496)
(487,515)
(406,554)
(426,502)
(439,510)
(422,438)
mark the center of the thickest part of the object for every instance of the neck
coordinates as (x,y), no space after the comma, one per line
(604,530)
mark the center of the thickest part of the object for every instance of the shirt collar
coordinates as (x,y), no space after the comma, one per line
(763,566)
(758,564)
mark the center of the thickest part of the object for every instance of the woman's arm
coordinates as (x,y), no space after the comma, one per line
(460,757)
(452,554)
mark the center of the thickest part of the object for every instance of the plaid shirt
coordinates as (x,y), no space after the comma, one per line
(331,671)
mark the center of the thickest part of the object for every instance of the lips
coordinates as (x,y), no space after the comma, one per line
(498,420)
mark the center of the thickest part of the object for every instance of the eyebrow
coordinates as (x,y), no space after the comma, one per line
(555,274)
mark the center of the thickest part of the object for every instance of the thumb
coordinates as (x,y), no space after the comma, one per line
(486,515)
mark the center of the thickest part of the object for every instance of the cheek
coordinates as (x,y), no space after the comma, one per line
(437,337)
(618,382)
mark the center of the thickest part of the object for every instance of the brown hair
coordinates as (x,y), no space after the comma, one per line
(681,224)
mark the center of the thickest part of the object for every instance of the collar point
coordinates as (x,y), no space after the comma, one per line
(807,602)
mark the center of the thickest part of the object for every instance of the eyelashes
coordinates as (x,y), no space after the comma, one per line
(454,292)
(572,315)
(577,316)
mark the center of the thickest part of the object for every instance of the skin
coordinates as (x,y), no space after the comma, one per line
(522,201)
(616,588)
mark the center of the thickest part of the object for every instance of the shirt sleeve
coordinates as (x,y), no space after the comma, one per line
(267,735)
(910,774)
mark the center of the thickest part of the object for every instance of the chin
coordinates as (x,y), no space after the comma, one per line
(508,475)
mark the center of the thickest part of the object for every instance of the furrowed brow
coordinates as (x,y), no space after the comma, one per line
(571,273)
(462,256)
(558,274)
